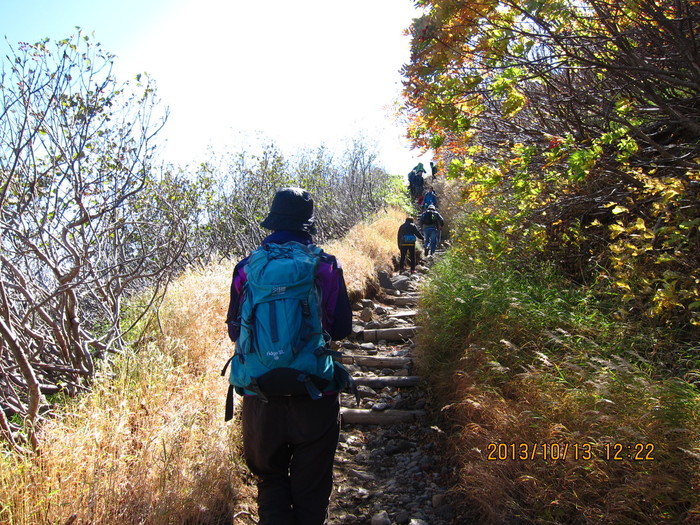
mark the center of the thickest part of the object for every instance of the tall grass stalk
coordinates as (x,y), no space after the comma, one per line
(368,247)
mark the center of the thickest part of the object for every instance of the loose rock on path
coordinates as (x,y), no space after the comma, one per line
(388,467)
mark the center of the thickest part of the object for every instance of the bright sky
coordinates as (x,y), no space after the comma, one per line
(301,72)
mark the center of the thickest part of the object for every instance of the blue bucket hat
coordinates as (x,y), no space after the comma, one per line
(291,209)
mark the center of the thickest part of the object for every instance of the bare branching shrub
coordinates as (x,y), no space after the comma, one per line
(345,190)
(86,221)
(75,149)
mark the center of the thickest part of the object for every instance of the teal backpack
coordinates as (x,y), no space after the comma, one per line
(282,349)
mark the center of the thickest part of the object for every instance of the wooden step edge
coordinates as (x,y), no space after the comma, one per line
(365,416)
(389,334)
(400,300)
(382,381)
(402,314)
(377,361)
(405,300)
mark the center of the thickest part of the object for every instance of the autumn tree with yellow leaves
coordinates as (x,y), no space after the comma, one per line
(567,310)
(575,128)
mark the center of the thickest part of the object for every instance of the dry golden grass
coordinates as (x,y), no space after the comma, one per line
(578,482)
(148,444)
(366,248)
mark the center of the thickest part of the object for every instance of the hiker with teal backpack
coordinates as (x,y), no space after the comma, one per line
(431,222)
(288,301)
(406,238)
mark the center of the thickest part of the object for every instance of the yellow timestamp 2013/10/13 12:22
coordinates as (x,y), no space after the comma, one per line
(577,451)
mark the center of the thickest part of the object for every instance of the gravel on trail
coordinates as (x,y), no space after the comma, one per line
(389,468)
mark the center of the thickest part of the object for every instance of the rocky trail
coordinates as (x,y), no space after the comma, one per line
(388,466)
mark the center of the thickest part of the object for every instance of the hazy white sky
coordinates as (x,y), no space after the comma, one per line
(301,72)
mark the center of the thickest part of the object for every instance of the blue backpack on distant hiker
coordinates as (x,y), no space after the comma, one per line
(282,349)
(408,240)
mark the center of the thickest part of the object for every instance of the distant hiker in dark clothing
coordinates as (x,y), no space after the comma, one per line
(430,198)
(433,169)
(412,183)
(418,181)
(289,440)
(431,222)
(408,232)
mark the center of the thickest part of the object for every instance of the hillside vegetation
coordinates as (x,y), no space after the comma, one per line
(149,444)
(561,333)
(558,410)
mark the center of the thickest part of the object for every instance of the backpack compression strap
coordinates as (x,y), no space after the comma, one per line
(228,414)
(312,389)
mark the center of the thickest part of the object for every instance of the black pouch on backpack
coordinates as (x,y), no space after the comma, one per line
(288,382)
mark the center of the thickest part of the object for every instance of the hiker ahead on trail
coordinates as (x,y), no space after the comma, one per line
(419,170)
(288,300)
(416,181)
(430,198)
(433,169)
(431,222)
(406,238)
(415,185)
